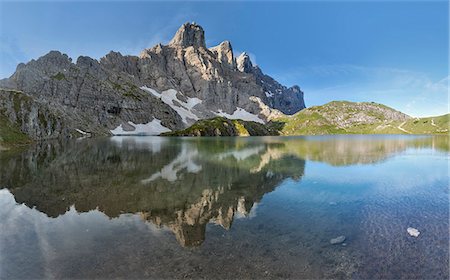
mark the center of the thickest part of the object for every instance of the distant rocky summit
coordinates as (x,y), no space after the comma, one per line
(165,88)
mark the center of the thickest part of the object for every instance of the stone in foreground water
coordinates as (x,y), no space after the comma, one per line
(413,231)
(337,240)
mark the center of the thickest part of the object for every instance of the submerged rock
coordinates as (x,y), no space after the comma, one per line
(337,240)
(413,232)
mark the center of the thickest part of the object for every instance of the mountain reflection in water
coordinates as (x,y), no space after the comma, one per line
(179,183)
(256,207)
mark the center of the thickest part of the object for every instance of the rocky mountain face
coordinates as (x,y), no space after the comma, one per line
(167,87)
(287,100)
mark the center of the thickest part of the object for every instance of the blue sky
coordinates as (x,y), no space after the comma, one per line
(394,53)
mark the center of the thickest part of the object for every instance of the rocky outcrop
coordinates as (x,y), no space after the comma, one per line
(173,85)
(224,53)
(189,35)
(287,100)
(221,126)
(36,120)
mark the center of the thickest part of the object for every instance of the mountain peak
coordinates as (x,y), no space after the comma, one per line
(224,53)
(244,64)
(189,34)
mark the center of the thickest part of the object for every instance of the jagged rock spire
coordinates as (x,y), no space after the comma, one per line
(244,64)
(189,34)
(224,53)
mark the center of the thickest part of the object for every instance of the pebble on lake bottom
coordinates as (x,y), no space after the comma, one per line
(337,240)
(413,231)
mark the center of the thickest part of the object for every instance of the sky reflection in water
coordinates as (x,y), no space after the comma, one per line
(226,207)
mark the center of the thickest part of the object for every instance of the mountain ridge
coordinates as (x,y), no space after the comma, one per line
(169,89)
(336,117)
(306,122)
(171,85)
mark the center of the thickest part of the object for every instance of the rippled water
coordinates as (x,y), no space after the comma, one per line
(136,207)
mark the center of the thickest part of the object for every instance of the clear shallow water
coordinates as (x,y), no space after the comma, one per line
(141,207)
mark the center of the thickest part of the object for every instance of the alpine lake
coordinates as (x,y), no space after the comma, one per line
(335,207)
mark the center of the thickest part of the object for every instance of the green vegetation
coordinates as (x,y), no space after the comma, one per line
(127,90)
(430,125)
(18,98)
(241,130)
(60,76)
(337,117)
(343,117)
(132,94)
(116,86)
(220,126)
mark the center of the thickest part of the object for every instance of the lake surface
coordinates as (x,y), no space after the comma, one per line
(267,207)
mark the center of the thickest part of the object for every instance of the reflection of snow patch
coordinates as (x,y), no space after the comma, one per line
(240,114)
(184,109)
(185,160)
(242,154)
(152,128)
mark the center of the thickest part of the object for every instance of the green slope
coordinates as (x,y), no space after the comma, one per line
(220,126)
(337,117)
(343,117)
(430,125)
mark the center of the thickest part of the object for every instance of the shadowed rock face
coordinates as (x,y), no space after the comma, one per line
(98,96)
(287,100)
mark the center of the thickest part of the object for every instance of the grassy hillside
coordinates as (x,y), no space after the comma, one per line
(430,125)
(342,117)
(220,126)
(337,117)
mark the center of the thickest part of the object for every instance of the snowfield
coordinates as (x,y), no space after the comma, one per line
(269,94)
(184,109)
(152,128)
(240,114)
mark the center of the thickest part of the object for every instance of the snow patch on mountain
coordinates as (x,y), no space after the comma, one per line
(269,94)
(151,128)
(240,114)
(183,108)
